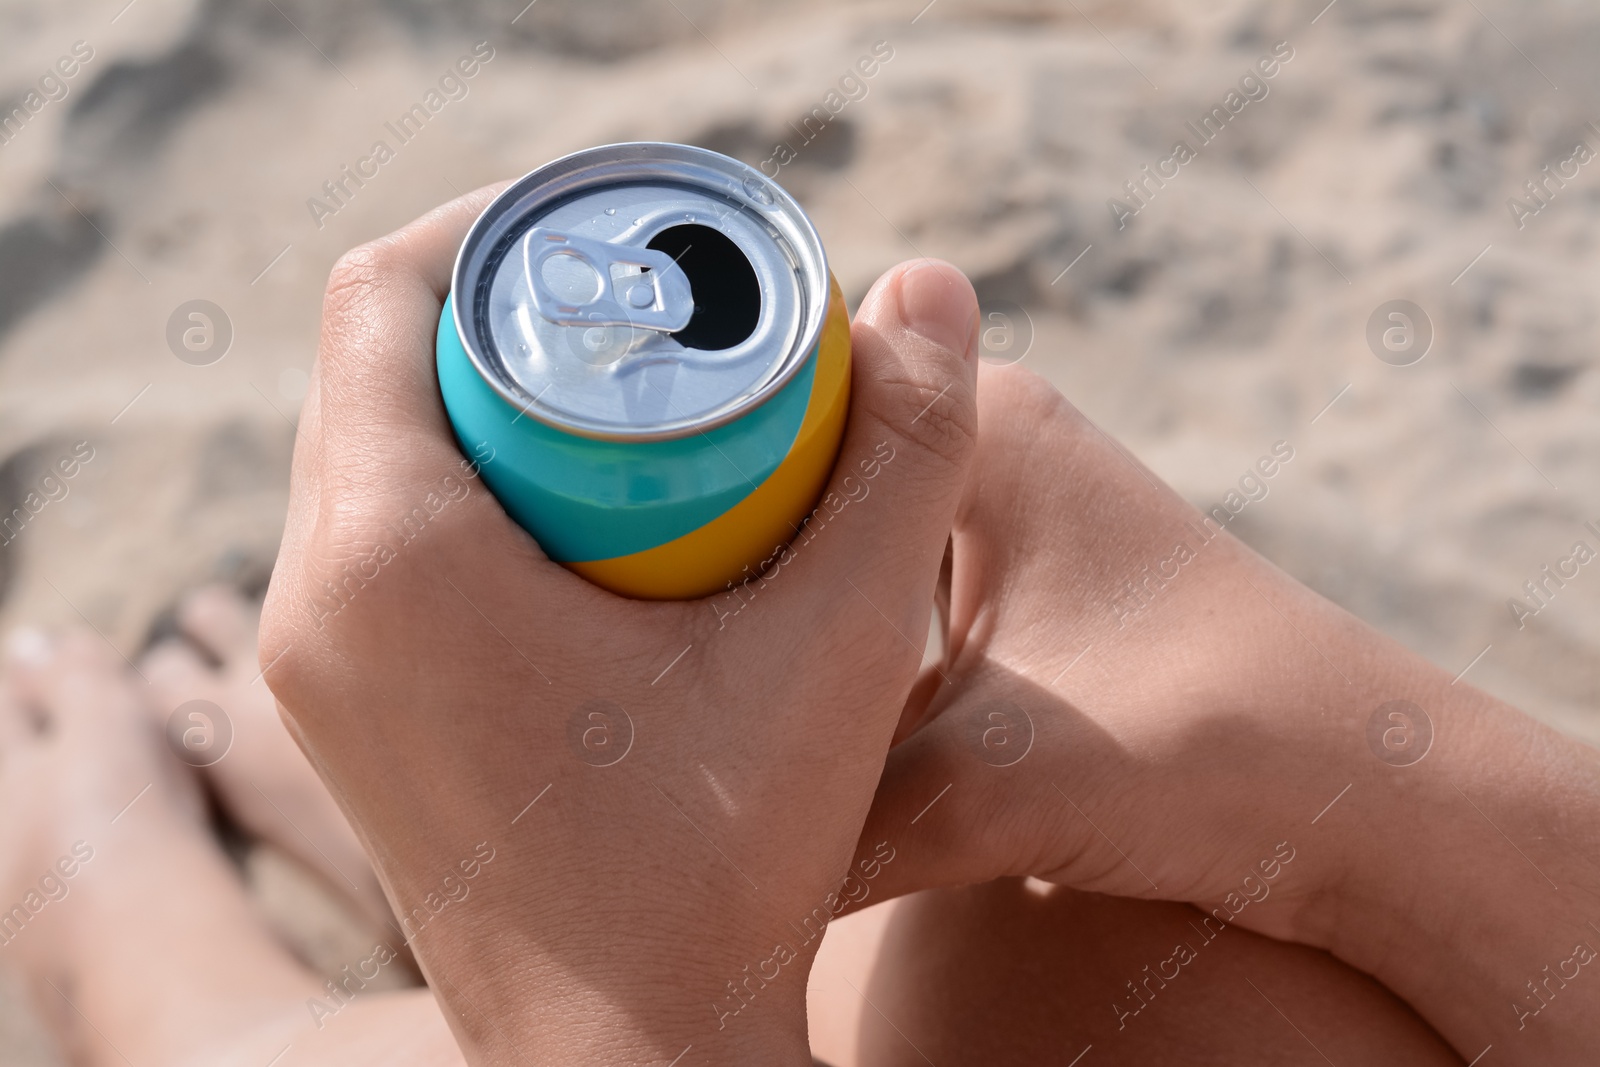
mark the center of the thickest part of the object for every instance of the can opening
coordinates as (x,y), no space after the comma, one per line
(727,296)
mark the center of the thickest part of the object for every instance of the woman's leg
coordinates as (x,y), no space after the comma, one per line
(1017,972)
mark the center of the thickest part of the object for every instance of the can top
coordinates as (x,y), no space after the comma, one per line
(640,291)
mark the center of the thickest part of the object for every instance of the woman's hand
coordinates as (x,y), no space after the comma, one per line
(611,829)
(1135,703)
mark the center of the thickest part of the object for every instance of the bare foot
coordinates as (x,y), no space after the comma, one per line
(124,917)
(264,779)
(114,899)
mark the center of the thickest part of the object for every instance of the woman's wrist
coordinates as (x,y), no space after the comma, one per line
(633,999)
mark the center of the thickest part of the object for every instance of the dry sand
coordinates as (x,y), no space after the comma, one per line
(1224,318)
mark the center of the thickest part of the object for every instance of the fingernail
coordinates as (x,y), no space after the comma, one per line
(937,301)
(27,646)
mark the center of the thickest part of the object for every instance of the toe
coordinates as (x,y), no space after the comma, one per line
(177,674)
(221,622)
(70,676)
(28,656)
(27,644)
(91,668)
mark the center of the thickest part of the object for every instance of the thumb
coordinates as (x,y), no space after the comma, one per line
(872,550)
(940,817)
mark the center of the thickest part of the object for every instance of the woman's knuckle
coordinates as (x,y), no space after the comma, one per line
(941,422)
(359,270)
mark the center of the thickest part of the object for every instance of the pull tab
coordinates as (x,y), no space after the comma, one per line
(654,296)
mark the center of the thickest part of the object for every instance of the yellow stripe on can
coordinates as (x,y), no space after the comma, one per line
(709,559)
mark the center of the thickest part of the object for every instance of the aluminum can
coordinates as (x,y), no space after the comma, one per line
(645,353)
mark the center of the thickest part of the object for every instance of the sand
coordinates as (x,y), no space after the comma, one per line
(1225,316)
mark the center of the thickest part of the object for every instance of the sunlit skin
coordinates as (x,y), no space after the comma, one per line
(626,904)
(1182,752)
(769,751)
(1187,757)
(202,980)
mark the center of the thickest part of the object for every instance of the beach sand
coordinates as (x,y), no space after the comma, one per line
(1228,314)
